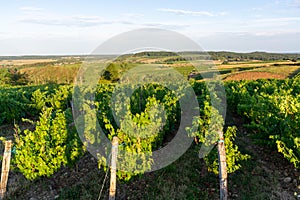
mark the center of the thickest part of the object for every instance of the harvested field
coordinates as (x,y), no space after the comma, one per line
(261,64)
(254,76)
(24,62)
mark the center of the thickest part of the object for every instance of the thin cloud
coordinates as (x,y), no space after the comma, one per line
(271,22)
(75,21)
(223,13)
(279,19)
(30,9)
(249,41)
(133,15)
(172,26)
(186,12)
(296,3)
(63,20)
(277,2)
(52,19)
(257,9)
(292,3)
(275,33)
(245,34)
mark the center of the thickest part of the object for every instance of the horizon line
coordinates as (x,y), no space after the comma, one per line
(116,54)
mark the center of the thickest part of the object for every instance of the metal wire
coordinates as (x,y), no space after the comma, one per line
(100,193)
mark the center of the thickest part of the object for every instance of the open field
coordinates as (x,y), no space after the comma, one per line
(54,74)
(278,70)
(256,64)
(64,69)
(24,62)
(285,70)
(253,75)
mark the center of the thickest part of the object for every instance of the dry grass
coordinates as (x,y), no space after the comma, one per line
(287,71)
(270,72)
(24,62)
(251,65)
(253,75)
(56,74)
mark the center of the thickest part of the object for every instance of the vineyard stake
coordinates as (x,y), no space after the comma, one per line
(5,168)
(222,167)
(113,169)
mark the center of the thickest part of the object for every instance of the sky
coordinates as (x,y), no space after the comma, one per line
(53,27)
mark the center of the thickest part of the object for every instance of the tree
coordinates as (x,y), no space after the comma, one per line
(18,78)
(112,72)
(5,76)
(12,77)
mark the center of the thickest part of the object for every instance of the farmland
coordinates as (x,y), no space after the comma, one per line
(261,126)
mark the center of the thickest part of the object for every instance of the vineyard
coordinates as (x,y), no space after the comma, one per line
(270,109)
(62,131)
(165,100)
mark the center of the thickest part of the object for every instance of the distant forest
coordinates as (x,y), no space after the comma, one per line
(189,55)
(224,55)
(231,56)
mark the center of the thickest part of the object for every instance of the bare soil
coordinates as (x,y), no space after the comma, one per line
(254,76)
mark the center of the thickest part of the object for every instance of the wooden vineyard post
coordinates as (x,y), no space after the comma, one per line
(222,167)
(113,169)
(5,168)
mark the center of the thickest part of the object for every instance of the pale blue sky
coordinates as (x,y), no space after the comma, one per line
(78,27)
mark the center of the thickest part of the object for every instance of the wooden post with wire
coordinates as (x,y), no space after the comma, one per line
(222,167)
(113,169)
(5,168)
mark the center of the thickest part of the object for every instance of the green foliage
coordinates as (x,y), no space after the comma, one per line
(272,108)
(12,77)
(2,141)
(5,76)
(233,155)
(39,99)
(15,104)
(112,72)
(18,78)
(147,117)
(209,124)
(52,144)
(11,109)
(60,98)
(232,56)
(27,101)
